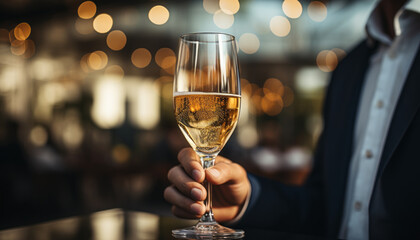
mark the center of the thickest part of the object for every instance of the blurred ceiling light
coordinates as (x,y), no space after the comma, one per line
(108,108)
(141,57)
(115,71)
(249,43)
(165,58)
(229,6)
(292,8)
(87,10)
(211,6)
(22,31)
(144,104)
(102,23)
(4,35)
(84,26)
(121,153)
(317,11)
(280,26)
(97,60)
(158,15)
(116,40)
(327,60)
(223,20)
(38,136)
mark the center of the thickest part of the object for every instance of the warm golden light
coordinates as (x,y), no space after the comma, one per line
(327,60)
(223,20)
(84,26)
(211,6)
(317,11)
(273,85)
(84,63)
(292,8)
(102,23)
(159,15)
(116,40)
(141,57)
(229,6)
(87,10)
(97,60)
(116,71)
(22,31)
(108,109)
(121,153)
(249,43)
(165,58)
(339,52)
(29,48)
(280,26)
(38,136)
(17,47)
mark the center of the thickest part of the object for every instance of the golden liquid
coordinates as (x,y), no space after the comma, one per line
(207,120)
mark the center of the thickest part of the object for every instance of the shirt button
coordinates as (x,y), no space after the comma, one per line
(380,104)
(357,206)
(368,154)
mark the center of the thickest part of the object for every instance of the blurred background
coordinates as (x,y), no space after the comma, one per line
(86,118)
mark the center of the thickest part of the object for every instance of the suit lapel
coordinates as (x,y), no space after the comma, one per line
(407,106)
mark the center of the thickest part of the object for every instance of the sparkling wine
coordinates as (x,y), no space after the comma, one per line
(207,119)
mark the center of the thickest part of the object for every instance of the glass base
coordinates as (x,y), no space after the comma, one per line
(211,230)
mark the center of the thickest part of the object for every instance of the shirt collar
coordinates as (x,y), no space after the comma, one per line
(375,29)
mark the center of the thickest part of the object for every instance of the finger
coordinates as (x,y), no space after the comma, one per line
(179,212)
(185,184)
(173,196)
(191,163)
(224,172)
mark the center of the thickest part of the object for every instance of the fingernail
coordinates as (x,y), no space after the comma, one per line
(196,208)
(196,175)
(196,193)
(214,172)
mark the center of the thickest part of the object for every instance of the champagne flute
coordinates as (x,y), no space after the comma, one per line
(206,103)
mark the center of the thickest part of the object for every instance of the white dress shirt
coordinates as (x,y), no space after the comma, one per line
(385,78)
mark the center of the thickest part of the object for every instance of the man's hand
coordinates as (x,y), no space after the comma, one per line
(230,187)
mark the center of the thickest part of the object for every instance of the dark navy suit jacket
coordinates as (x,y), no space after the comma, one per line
(317,206)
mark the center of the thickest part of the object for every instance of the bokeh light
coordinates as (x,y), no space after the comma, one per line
(211,6)
(165,58)
(116,40)
(102,23)
(280,26)
(249,43)
(158,15)
(141,57)
(97,60)
(229,6)
(22,31)
(116,71)
(292,8)
(38,136)
(87,10)
(121,153)
(317,11)
(223,20)
(327,60)
(29,48)
(84,26)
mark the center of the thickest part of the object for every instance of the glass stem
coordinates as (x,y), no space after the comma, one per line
(208,217)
